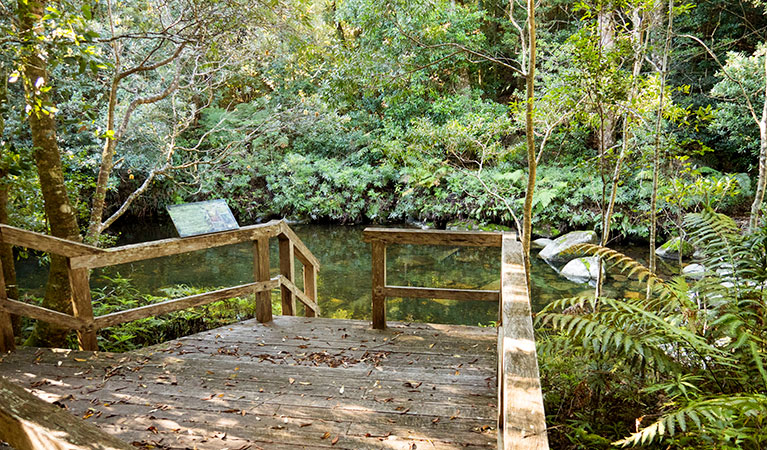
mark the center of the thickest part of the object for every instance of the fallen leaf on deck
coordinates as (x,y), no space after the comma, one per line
(334,441)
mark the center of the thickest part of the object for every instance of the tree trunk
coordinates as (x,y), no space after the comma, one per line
(61,216)
(608,119)
(6,255)
(105,170)
(6,251)
(756,207)
(637,41)
(656,147)
(532,164)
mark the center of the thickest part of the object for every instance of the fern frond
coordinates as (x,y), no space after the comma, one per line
(711,411)
(625,264)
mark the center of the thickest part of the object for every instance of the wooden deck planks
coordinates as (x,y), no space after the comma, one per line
(293,383)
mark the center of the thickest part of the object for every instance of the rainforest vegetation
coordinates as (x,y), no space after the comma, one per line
(642,120)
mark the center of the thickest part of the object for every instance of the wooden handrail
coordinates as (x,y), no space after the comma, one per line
(432,237)
(441,293)
(521,418)
(18,308)
(300,295)
(379,238)
(44,243)
(174,246)
(28,423)
(302,252)
(178,304)
(81,258)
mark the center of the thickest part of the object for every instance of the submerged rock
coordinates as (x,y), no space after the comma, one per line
(462,225)
(671,249)
(471,225)
(540,243)
(582,270)
(554,251)
(694,271)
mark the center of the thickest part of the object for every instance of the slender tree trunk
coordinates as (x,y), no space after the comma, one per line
(6,254)
(105,169)
(61,216)
(656,147)
(608,118)
(607,121)
(532,165)
(6,251)
(638,45)
(756,207)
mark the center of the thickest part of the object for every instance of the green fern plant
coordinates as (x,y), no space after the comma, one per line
(698,349)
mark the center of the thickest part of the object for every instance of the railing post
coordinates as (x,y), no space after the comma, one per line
(379,281)
(7,343)
(288,271)
(261,273)
(82,307)
(310,286)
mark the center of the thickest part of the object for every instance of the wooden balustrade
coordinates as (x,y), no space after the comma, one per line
(521,419)
(82,258)
(379,238)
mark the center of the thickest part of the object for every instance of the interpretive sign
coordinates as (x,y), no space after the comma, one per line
(192,219)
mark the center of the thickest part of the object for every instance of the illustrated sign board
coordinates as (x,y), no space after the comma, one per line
(192,219)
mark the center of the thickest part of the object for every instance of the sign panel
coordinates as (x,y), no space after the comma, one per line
(192,219)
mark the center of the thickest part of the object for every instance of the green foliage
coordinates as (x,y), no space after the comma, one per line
(698,349)
(120,295)
(734,119)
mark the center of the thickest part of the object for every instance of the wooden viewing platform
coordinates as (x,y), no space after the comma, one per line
(294,383)
(280,383)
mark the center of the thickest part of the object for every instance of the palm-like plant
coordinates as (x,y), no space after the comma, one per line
(700,347)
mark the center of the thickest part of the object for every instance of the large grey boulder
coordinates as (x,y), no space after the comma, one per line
(671,249)
(553,253)
(582,270)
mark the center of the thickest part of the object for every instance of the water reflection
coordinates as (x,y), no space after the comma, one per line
(344,285)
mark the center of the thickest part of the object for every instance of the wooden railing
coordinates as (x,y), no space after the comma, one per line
(379,238)
(521,419)
(81,258)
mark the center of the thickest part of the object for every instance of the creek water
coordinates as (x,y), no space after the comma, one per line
(344,286)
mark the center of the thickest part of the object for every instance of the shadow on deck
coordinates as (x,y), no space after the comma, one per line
(292,383)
